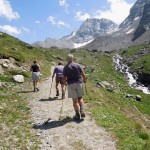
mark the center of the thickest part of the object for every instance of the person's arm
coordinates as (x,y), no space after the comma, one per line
(82,73)
(53,73)
(64,77)
(39,68)
(65,80)
(84,77)
(31,68)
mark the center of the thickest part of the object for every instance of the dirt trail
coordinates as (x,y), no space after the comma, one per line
(65,134)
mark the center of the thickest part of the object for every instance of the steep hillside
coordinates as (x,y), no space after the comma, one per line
(138,58)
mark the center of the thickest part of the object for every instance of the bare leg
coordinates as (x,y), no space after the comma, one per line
(81,104)
(34,86)
(76,108)
(35,82)
(76,105)
(57,90)
(63,91)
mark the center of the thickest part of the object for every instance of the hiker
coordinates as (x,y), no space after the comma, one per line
(35,75)
(75,76)
(59,79)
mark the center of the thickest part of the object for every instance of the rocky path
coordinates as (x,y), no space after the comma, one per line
(64,134)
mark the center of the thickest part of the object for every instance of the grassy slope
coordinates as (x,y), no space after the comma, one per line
(113,110)
(110,109)
(15,127)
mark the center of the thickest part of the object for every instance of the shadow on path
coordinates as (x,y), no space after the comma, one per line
(25,91)
(55,123)
(50,99)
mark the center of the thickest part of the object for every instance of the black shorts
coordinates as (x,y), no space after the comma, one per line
(59,80)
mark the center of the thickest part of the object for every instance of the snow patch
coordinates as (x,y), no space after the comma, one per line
(77,45)
(136,18)
(72,35)
(130,31)
(112,31)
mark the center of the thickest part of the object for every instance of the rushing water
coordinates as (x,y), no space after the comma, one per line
(131,79)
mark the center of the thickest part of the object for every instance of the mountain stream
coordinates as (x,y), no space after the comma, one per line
(131,79)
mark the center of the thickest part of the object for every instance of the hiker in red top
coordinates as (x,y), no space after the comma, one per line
(75,76)
(59,78)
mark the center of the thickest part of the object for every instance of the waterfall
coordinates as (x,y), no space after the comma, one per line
(131,79)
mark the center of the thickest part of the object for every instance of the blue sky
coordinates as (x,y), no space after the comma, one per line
(35,20)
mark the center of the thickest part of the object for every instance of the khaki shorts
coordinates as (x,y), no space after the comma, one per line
(75,90)
(35,76)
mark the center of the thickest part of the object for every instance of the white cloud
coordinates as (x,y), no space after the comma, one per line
(119,10)
(10,29)
(80,16)
(7,11)
(59,23)
(37,21)
(26,29)
(51,19)
(62,23)
(64,4)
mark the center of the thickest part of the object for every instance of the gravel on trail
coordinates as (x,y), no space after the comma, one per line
(66,133)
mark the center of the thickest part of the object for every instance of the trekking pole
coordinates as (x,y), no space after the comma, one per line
(50,88)
(85,89)
(62,105)
(30,80)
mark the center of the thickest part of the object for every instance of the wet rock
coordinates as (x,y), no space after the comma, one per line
(18,78)
(138,98)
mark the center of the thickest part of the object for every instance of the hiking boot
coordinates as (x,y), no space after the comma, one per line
(77,116)
(57,93)
(82,114)
(37,89)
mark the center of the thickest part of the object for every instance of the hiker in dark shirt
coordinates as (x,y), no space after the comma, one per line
(35,74)
(59,78)
(75,76)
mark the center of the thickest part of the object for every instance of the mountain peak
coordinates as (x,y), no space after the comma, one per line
(92,28)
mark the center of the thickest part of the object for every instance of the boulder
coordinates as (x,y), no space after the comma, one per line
(59,58)
(110,89)
(106,84)
(138,98)
(4,65)
(18,78)
(4,84)
(130,96)
(103,84)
